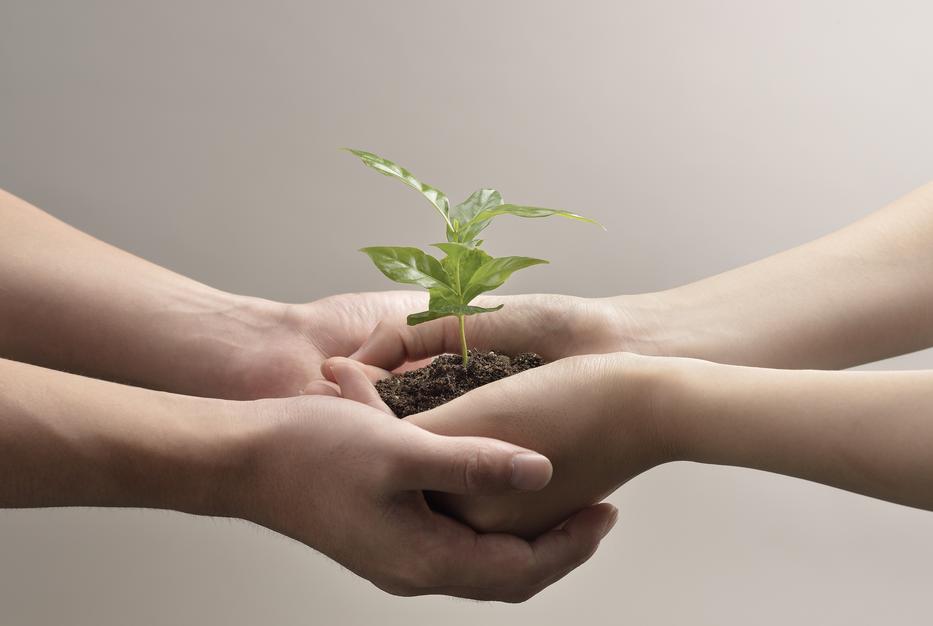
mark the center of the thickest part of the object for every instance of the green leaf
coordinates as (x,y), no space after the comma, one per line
(444,304)
(425,316)
(433,314)
(388,168)
(461,263)
(411,266)
(495,272)
(462,214)
(481,220)
(473,310)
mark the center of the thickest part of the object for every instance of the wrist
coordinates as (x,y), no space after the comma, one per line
(670,396)
(637,387)
(265,466)
(212,344)
(690,409)
(642,324)
(240,334)
(186,456)
(74,441)
(666,323)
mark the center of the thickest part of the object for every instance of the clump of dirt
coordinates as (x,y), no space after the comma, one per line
(446,378)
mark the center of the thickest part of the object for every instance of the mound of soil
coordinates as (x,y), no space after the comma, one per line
(446,378)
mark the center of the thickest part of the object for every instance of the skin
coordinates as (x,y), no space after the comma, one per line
(64,443)
(603,420)
(96,310)
(341,477)
(594,447)
(93,309)
(857,295)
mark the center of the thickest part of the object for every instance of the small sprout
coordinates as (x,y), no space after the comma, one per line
(466,270)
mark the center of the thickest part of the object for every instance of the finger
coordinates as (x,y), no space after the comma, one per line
(563,549)
(372,373)
(544,324)
(470,465)
(321,388)
(391,345)
(354,384)
(502,567)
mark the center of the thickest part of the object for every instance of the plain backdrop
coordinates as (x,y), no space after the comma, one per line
(204,136)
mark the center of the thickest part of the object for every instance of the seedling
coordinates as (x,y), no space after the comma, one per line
(466,271)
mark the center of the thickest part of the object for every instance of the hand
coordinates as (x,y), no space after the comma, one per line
(554,326)
(340,476)
(276,350)
(108,314)
(592,416)
(348,480)
(279,349)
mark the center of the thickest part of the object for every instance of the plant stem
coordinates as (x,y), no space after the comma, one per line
(463,343)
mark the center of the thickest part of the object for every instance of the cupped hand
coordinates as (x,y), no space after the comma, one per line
(277,349)
(554,326)
(349,481)
(592,416)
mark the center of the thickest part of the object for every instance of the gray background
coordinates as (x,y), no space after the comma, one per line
(204,136)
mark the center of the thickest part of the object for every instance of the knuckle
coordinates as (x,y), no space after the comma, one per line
(479,467)
(470,465)
(399,334)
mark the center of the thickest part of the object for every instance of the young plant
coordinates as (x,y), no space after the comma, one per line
(466,270)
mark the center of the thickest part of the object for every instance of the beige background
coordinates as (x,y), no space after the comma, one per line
(204,136)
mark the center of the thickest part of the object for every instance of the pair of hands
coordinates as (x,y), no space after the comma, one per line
(364,472)
(348,479)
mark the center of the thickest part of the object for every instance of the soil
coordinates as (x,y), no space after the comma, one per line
(446,378)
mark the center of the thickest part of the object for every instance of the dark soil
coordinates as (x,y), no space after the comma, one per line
(446,378)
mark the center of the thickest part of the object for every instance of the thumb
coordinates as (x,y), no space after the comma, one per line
(519,328)
(471,465)
(354,382)
(391,345)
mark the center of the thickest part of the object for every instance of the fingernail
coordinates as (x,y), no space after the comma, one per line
(530,471)
(611,521)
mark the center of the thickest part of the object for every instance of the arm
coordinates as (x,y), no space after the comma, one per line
(341,477)
(71,302)
(604,419)
(857,295)
(867,432)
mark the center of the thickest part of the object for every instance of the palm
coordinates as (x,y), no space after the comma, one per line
(289,356)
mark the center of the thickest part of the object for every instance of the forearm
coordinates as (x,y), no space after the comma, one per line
(857,295)
(867,432)
(75,303)
(72,441)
